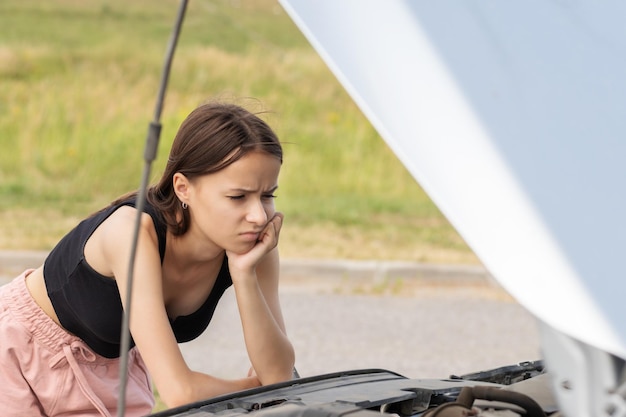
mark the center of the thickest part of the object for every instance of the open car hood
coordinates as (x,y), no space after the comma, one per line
(511,117)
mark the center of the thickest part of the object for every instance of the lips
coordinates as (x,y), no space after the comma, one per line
(251,236)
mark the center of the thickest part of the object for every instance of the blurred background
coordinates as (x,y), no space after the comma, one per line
(78,83)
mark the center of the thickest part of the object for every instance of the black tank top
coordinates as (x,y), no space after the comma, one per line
(88,304)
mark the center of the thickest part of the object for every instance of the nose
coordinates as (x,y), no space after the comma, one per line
(256,213)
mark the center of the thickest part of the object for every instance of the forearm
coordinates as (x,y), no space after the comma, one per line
(197,386)
(268,347)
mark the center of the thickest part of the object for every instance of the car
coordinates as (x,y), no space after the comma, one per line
(521,389)
(510,116)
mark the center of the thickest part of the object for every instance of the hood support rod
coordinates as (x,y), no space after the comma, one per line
(152,144)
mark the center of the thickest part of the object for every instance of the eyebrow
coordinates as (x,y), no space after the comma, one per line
(248,190)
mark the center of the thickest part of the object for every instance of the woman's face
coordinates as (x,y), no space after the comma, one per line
(231,207)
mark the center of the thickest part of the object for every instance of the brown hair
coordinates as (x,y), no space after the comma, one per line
(212,137)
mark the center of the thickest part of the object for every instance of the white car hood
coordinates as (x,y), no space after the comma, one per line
(512,117)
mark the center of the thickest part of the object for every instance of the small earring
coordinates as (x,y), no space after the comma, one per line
(184,205)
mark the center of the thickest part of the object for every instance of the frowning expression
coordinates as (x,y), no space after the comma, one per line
(229,208)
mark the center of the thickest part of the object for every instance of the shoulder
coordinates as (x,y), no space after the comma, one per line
(122,222)
(112,241)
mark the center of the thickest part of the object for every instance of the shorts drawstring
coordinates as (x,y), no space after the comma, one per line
(49,371)
(68,352)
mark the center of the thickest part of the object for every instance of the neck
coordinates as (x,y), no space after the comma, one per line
(185,251)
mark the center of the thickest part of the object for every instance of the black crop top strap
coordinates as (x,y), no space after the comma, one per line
(88,304)
(159,224)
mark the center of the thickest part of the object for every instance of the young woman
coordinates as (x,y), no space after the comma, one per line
(209,223)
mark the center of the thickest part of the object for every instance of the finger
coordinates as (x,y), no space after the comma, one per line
(271,231)
(277,222)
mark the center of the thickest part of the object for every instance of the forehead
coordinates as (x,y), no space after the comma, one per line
(254,171)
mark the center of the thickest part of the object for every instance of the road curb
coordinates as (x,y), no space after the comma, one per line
(304,271)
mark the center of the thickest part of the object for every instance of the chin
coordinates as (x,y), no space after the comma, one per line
(241,248)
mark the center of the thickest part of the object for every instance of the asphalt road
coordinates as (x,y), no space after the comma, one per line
(421,321)
(420,329)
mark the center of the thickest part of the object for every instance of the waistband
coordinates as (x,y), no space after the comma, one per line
(44,330)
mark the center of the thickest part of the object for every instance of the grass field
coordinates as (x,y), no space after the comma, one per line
(78,81)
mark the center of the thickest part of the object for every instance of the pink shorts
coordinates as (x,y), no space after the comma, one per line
(46,371)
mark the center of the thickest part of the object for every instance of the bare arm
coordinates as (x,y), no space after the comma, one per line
(149,324)
(256,291)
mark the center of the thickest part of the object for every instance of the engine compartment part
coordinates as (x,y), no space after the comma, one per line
(378,391)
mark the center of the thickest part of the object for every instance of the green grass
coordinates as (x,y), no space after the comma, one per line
(78,81)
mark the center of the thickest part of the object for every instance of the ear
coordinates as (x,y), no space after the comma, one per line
(181,187)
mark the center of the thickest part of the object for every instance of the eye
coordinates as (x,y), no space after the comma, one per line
(269,196)
(236,197)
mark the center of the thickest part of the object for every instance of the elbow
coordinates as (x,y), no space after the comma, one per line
(175,403)
(277,377)
(177,397)
(280,373)
(288,375)
(179,392)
